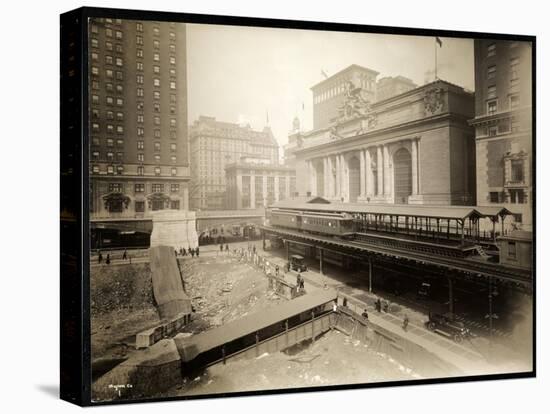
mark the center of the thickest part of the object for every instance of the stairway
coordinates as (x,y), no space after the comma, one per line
(481,252)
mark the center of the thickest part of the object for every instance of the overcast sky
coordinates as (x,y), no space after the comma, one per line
(239,74)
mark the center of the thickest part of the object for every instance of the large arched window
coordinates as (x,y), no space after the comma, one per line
(402,175)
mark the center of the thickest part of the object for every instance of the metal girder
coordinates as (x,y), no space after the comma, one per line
(455,264)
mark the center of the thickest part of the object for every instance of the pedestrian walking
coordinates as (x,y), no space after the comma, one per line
(189,251)
(124,255)
(365,314)
(192,251)
(227,248)
(277,270)
(197,251)
(99,258)
(108,259)
(386,306)
(378,305)
(254,249)
(405,322)
(221,248)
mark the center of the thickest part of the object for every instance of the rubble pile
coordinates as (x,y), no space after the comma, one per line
(120,287)
(222,290)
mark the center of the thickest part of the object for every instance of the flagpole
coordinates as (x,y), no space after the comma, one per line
(435,50)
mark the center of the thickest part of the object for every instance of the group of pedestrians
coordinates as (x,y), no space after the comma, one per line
(222,248)
(379,306)
(189,252)
(125,257)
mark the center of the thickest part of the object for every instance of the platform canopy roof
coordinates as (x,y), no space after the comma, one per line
(249,324)
(404,210)
(493,211)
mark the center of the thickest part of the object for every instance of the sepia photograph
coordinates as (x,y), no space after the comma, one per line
(278,209)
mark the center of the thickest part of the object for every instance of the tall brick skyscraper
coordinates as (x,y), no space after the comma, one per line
(138,118)
(504,126)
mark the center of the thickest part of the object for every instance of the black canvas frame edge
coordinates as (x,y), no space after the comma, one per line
(75,381)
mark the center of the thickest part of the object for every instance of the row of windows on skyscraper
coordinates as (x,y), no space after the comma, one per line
(115,79)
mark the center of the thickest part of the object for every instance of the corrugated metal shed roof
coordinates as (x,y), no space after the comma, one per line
(251,323)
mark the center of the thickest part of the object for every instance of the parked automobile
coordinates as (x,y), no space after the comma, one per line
(447,326)
(297,263)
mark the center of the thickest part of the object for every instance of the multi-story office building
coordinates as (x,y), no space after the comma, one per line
(330,94)
(138,118)
(215,144)
(257,182)
(503,126)
(389,86)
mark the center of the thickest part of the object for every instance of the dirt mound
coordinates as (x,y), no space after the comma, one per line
(121,287)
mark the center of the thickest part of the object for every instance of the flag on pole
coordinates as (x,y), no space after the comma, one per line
(439,42)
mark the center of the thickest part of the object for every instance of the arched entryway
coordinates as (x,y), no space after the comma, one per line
(354,179)
(402,175)
(320,179)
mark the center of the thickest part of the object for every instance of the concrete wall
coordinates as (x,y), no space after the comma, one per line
(148,372)
(433,166)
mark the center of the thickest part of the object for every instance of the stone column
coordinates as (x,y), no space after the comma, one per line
(379,170)
(344,181)
(337,183)
(239,203)
(387,175)
(264,190)
(362,173)
(325,177)
(314,178)
(252,191)
(368,174)
(329,177)
(287,187)
(277,196)
(309,178)
(414,156)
